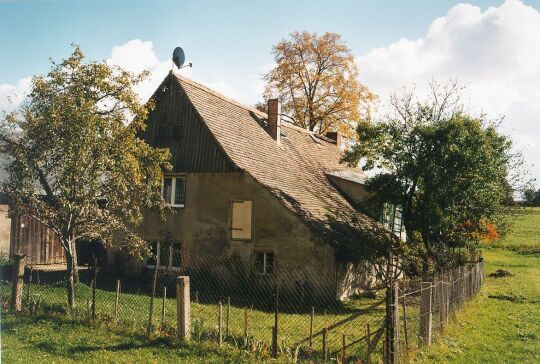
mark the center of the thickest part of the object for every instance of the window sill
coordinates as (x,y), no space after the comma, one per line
(161,267)
(239,239)
(176,206)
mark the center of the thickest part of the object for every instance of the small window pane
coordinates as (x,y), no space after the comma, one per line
(164,252)
(180,191)
(176,255)
(258,264)
(167,189)
(269,266)
(153,252)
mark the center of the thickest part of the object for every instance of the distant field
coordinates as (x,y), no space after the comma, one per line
(525,230)
(502,325)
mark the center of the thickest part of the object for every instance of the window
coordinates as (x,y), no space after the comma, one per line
(169,255)
(174,191)
(391,218)
(264,263)
(242,212)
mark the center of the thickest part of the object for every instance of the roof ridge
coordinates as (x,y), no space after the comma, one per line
(219,95)
(284,123)
(323,138)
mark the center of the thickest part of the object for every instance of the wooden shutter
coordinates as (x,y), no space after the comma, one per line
(242,212)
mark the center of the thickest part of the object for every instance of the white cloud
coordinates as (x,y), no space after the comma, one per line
(136,56)
(495,52)
(11,96)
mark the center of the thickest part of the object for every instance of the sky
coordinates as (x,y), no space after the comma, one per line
(492,47)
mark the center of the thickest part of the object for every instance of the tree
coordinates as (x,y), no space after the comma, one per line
(76,163)
(447,169)
(317,80)
(532,197)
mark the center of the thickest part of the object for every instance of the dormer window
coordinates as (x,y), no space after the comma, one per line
(174,190)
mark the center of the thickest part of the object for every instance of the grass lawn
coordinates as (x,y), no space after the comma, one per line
(60,340)
(525,232)
(502,325)
(27,338)
(133,313)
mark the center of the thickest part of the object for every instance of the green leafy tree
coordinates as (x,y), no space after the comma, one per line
(532,197)
(448,170)
(75,161)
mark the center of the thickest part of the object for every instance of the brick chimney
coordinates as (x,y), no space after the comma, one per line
(338,138)
(274,119)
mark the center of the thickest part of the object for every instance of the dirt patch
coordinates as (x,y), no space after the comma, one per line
(499,273)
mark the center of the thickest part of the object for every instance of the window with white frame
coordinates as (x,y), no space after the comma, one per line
(242,212)
(263,262)
(391,217)
(166,254)
(174,190)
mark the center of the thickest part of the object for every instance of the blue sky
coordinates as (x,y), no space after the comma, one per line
(218,36)
(491,46)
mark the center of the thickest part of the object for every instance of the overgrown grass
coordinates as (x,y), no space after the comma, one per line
(502,325)
(63,340)
(133,313)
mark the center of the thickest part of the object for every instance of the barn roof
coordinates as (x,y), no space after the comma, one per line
(294,171)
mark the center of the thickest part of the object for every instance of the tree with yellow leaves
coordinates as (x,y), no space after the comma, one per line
(316,79)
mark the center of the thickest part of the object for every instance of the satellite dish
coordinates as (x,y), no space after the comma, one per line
(178,57)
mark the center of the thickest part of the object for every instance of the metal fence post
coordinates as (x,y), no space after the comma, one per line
(163,307)
(17,282)
(275,328)
(183,302)
(324,334)
(395,296)
(405,323)
(117,298)
(426,313)
(311,319)
(220,328)
(343,346)
(228,316)
(94,283)
(368,344)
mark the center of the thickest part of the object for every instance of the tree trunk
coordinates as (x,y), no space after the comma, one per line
(70,280)
(72,277)
(75,265)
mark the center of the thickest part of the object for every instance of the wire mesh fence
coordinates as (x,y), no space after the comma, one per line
(291,310)
(427,305)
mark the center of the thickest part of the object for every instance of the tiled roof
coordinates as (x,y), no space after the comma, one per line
(349,175)
(293,171)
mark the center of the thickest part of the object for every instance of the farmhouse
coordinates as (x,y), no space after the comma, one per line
(249,185)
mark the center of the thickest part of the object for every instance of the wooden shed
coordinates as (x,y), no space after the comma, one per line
(35,240)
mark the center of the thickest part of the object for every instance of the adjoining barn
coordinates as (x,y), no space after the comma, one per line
(252,188)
